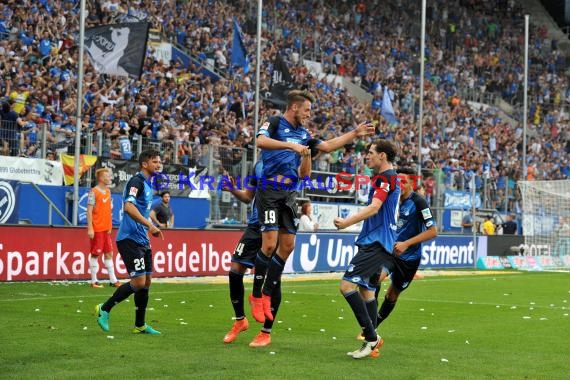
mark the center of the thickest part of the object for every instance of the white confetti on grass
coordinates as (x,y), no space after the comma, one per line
(80,301)
(424,328)
(279,321)
(110,337)
(466,342)
(450,331)
(210,305)
(78,311)
(422,309)
(334,337)
(470,302)
(565,314)
(294,292)
(340,317)
(543,319)
(533,303)
(158,299)
(183,323)
(526,317)
(498,306)
(271,352)
(37,310)
(150,309)
(444,360)
(182,302)
(84,327)
(167,305)
(322,330)
(513,307)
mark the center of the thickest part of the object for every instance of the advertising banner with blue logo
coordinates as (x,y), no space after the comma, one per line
(9,198)
(332,252)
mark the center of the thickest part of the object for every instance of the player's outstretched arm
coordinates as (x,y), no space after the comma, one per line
(267,143)
(363,214)
(363,129)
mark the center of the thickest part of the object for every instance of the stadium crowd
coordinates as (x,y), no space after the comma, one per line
(472,48)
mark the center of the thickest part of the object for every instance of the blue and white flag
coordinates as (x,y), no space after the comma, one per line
(118,49)
(239,54)
(387,110)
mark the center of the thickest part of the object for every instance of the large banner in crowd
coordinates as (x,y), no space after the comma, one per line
(180,180)
(33,170)
(62,253)
(325,184)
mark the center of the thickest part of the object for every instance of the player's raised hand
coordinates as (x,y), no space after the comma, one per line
(229,183)
(365,129)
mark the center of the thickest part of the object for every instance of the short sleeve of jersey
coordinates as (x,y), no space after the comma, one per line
(268,128)
(91,198)
(134,188)
(382,189)
(424,212)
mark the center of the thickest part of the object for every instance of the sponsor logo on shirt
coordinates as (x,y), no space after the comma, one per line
(426,213)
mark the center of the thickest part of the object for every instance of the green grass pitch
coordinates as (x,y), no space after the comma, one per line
(502,326)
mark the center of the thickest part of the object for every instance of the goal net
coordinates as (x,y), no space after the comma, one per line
(546,217)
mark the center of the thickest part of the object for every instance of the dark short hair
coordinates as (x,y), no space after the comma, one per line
(299,96)
(147,155)
(387,147)
(407,171)
(164,193)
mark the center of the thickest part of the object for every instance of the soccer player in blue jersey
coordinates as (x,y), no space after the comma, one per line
(415,225)
(133,244)
(245,256)
(374,242)
(283,143)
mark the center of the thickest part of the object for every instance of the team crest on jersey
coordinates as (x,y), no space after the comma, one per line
(286,130)
(133,191)
(426,213)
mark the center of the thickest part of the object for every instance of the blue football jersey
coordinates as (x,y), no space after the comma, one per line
(138,192)
(283,162)
(381,228)
(415,217)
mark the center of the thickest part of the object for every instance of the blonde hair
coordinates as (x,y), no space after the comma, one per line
(99,172)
